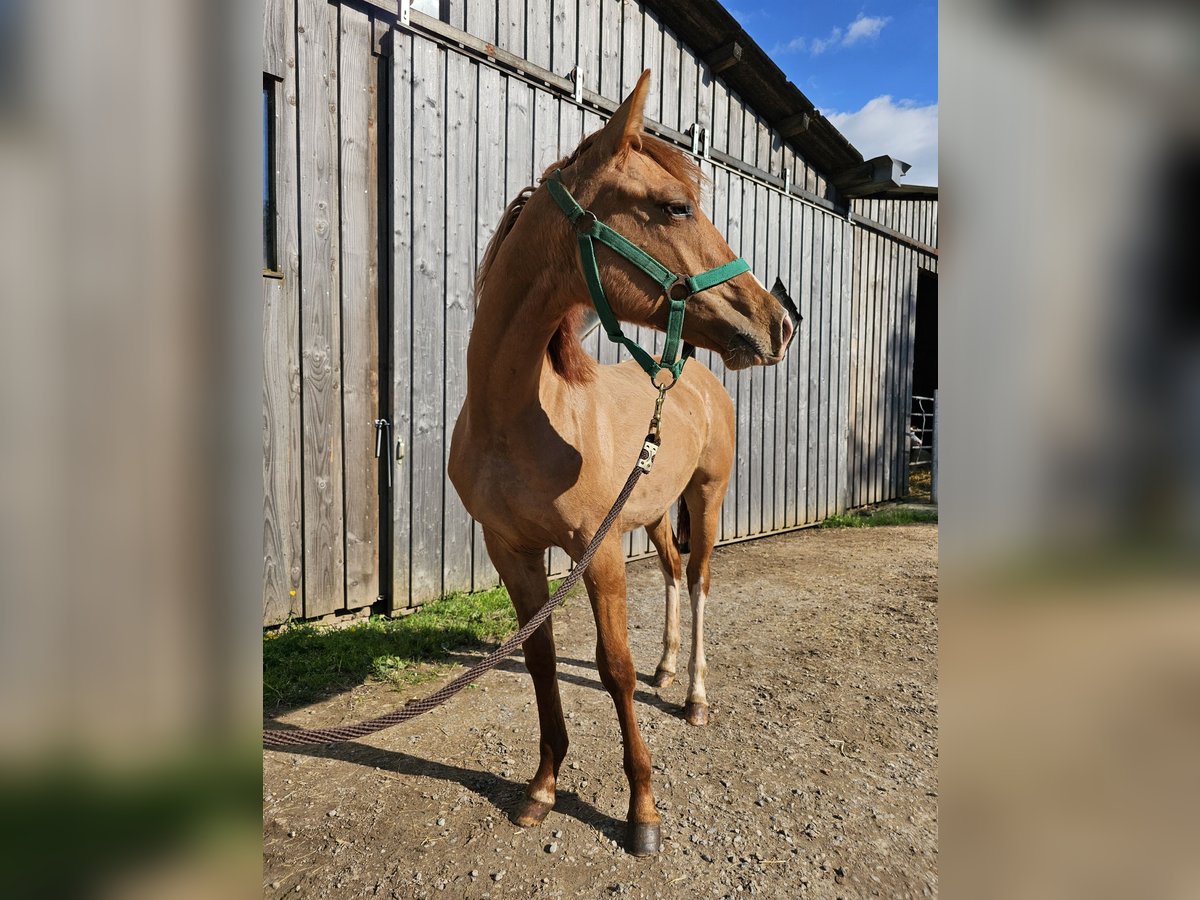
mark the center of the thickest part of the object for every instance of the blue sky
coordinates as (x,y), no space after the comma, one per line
(870,67)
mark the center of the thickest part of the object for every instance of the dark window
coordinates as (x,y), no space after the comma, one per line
(270,237)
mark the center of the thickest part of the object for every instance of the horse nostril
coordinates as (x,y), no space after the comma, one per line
(788,330)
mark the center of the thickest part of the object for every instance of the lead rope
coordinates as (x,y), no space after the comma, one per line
(274,739)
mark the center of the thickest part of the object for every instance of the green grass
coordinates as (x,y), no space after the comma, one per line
(303,662)
(886,516)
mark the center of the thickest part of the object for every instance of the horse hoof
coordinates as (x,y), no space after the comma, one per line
(532,813)
(696,713)
(663,678)
(642,839)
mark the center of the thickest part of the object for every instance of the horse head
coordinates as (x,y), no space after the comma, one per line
(649,192)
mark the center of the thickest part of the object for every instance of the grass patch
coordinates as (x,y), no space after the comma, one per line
(303,662)
(887,516)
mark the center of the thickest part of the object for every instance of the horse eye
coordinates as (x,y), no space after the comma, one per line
(678,210)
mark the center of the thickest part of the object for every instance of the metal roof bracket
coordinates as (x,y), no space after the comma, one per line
(405,6)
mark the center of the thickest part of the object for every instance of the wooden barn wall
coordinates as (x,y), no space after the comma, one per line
(321,544)
(460,137)
(884,316)
(468,138)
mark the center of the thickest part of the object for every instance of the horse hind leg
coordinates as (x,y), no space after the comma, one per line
(672,569)
(524,575)
(705,502)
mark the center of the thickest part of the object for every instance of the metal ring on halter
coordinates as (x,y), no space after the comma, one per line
(585,222)
(679,282)
(664,387)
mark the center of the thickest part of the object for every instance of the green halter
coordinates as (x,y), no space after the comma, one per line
(677,288)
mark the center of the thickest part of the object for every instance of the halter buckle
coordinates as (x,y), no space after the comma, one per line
(585,222)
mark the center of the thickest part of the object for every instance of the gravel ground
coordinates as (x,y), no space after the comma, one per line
(816,776)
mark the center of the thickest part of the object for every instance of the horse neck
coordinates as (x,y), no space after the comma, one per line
(518,312)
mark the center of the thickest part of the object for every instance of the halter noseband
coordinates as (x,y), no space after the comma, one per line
(677,288)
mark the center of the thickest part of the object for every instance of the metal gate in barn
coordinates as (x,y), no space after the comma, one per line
(399,138)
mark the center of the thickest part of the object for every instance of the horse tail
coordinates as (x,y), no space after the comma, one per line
(683,528)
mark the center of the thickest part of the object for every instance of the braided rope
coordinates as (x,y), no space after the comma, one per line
(306,737)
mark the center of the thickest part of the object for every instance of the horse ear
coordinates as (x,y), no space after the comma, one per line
(624,129)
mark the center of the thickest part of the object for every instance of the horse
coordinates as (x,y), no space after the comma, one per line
(546,435)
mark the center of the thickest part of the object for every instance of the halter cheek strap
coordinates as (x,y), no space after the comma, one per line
(676,288)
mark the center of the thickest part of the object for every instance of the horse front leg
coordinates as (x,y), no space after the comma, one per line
(605,580)
(524,575)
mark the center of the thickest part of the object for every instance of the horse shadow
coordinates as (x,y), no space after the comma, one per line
(502,793)
(514,665)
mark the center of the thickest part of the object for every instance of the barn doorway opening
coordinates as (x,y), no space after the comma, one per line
(924,386)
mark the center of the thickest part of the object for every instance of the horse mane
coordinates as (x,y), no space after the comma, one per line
(570,361)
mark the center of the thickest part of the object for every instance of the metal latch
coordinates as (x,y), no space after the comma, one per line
(577,77)
(383,439)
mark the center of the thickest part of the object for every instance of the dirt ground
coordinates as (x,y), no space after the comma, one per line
(816,776)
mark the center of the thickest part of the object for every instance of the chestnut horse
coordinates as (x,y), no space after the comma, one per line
(546,436)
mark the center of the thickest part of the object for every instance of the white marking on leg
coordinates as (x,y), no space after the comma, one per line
(670,657)
(698,666)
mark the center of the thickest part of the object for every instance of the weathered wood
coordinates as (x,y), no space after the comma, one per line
(510,27)
(845,305)
(747,433)
(814,372)
(460,187)
(652,55)
(402,317)
(610,49)
(565,37)
(669,80)
(802,250)
(759,396)
(427,453)
(359,304)
(724,57)
(774,470)
(283,545)
(538,19)
(632,20)
(324,568)
(492,197)
(589,52)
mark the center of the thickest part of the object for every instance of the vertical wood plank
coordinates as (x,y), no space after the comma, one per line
(283,545)
(774,468)
(480,19)
(359,305)
(631,45)
(429,286)
(671,55)
(791,236)
(491,198)
(747,487)
(324,553)
(720,121)
(589,53)
(814,369)
(761,463)
(538,25)
(461,138)
(610,49)
(565,37)
(652,44)
(804,283)
(402,322)
(510,26)
(689,85)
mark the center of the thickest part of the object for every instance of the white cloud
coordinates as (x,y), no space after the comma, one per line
(864,28)
(795,45)
(901,130)
(820,45)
